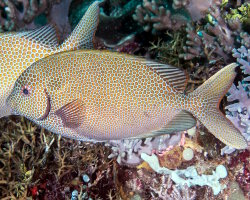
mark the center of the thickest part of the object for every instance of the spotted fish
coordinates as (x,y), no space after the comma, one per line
(20,50)
(100,95)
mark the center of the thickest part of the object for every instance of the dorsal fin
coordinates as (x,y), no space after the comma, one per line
(45,35)
(172,75)
(83,34)
(175,77)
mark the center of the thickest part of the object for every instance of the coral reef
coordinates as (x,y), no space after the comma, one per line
(36,163)
(162,192)
(198,36)
(214,42)
(129,151)
(196,8)
(242,13)
(240,164)
(190,174)
(25,14)
(154,16)
(239,112)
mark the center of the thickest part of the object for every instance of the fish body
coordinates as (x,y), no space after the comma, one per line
(20,50)
(100,95)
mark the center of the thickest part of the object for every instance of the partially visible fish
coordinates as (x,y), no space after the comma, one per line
(100,95)
(20,50)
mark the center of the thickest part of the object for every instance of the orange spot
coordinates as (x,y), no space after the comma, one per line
(168,89)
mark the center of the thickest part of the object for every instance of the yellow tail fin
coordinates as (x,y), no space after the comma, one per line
(205,102)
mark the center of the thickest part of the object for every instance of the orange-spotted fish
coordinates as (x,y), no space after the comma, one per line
(100,95)
(20,50)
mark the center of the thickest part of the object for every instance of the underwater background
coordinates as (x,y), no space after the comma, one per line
(198,36)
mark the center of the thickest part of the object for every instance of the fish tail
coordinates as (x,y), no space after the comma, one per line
(83,34)
(204,102)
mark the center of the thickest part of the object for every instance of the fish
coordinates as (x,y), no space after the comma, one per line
(93,95)
(18,50)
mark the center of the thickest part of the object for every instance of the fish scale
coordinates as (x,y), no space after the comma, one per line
(104,95)
(20,50)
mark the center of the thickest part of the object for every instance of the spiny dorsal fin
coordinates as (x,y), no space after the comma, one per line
(45,35)
(72,114)
(83,34)
(175,77)
(172,75)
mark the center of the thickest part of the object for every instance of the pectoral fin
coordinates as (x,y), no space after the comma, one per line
(72,114)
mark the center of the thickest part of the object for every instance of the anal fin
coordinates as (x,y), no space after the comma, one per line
(181,122)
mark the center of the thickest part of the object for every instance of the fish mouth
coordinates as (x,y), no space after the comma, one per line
(48,107)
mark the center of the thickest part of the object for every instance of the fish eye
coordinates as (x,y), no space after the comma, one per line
(25,91)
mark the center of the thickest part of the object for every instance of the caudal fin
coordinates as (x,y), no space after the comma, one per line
(205,102)
(83,34)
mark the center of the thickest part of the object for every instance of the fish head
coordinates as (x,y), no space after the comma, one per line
(29,97)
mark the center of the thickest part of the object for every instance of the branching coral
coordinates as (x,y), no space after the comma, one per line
(196,8)
(20,14)
(215,42)
(128,151)
(154,16)
(216,39)
(239,112)
(243,58)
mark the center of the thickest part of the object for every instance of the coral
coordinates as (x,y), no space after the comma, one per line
(172,158)
(154,16)
(243,58)
(214,42)
(190,174)
(240,165)
(128,151)
(242,13)
(236,193)
(35,163)
(25,14)
(239,112)
(196,8)
(166,185)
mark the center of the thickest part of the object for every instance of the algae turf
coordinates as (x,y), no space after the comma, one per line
(40,165)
